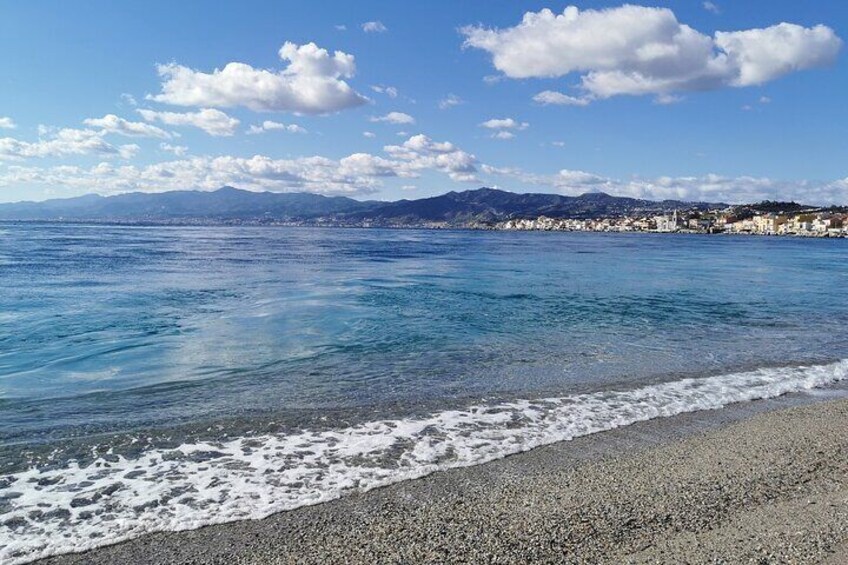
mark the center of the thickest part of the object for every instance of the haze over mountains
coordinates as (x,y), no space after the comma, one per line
(232,205)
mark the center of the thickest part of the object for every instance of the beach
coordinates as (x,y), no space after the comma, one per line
(488,397)
(760,482)
(379,283)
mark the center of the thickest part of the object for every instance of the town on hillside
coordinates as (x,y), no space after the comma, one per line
(733,220)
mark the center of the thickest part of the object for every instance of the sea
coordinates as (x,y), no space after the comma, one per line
(167,378)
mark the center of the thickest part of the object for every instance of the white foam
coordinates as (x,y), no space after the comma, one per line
(251,477)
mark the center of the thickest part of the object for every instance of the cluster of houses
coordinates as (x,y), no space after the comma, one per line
(810,224)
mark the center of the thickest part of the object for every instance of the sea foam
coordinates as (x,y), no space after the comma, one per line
(74,508)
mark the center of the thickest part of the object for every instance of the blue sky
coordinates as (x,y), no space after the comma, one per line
(647,100)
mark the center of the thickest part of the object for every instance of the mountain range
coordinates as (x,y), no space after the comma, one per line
(231,205)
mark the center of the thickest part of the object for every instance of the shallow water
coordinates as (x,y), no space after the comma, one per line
(164,378)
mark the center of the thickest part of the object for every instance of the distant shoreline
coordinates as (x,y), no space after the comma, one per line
(483,209)
(199,224)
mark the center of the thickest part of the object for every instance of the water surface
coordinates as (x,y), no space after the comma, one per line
(166,377)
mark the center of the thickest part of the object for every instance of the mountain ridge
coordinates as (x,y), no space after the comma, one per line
(232,205)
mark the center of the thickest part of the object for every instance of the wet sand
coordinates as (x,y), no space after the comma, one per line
(762,482)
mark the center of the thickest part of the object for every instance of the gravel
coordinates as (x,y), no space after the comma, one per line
(753,483)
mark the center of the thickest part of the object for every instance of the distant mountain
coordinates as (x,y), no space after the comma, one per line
(487,205)
(224,204)
(231,205)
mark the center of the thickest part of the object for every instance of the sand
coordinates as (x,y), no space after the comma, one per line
(762,482)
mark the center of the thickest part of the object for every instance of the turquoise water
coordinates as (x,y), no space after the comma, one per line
(126,349)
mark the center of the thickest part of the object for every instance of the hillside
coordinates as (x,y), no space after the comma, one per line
(231,205)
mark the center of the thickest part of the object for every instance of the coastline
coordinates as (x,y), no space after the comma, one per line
(401,227)
(763,481)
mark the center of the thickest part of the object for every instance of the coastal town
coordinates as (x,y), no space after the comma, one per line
(733,220)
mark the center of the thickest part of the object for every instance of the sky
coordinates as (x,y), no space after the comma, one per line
(686,99)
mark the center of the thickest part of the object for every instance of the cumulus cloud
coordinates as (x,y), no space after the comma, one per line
(369,134)
(178,150)
(638,50)
(450,101)
(214,122)
(63,142)
(419,152)
(706,188)
(394,118)
(761,55)
(504,123)
(552,97)
(110,123)
(504,127)
(358,173)
(374,27)
(269,125)
(7,123)
(312,83)
(312,174)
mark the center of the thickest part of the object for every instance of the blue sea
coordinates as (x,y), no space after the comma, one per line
(166,378)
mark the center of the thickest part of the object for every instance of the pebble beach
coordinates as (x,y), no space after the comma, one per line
(762,482)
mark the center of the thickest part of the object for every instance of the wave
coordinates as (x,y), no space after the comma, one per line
(49,511)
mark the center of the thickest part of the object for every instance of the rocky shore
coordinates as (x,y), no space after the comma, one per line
(763,482)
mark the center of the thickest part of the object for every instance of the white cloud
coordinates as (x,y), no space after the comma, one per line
(552,97)
(505,127)
(558,143)
(369,134)
(129,99)
(637,50)
(213,122)
(340,27)
(374,27)
(761,55)
(765,100)
(504,123)
(269,125)
(7,123)
(311,174)
(665,99)
(706,188)
(419,152)
(711,7)
(67,141)
(178,150)
(359,173)
(110,123)
(389,91)
(394,118)
(450,101)
(312,83)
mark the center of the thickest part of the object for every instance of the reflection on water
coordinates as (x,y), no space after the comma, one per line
(115,327)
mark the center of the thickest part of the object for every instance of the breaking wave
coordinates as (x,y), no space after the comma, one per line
(73,507)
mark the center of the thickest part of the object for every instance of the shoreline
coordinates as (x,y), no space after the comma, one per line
(154,224)
(762,480)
